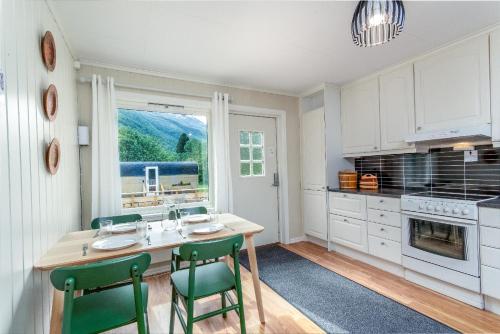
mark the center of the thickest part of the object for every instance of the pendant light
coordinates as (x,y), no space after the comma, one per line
(376,22)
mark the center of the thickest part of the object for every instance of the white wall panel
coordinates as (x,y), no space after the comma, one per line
(36,208)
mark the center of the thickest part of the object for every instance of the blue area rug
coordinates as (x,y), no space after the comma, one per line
(333,302)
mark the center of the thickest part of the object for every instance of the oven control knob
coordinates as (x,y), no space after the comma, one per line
(446,209)
(465,212)
(438,208)
(456,211)
(430,207)
(421,206)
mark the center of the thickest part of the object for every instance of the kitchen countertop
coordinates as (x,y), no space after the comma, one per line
(387,192)
(492,203)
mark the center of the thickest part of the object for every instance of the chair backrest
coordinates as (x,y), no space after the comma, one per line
(204,250)
(102,273)
(116,220)
(192,211)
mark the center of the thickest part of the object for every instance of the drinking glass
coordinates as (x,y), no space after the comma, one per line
(142,229)
(184,214)
(105,228)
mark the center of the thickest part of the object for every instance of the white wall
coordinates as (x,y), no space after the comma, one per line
(35,207)
(238,97)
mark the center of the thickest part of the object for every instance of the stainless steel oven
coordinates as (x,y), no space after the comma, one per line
(448,242)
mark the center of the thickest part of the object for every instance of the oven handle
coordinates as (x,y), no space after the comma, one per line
(439,219)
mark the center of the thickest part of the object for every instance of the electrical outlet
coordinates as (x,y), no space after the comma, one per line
(470,156)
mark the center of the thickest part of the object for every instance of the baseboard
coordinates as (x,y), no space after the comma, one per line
(297,239)
(317,241)
(469,297)
(492,304)
(390,267)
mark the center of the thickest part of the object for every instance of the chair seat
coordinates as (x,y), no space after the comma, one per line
(108,309)
(210,279)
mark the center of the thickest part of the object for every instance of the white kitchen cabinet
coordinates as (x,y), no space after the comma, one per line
(397,108)
(495,85)
(452,87)
(360,117)
(349,232)
(348,205)
(314,214)
(313,150)
(386,249)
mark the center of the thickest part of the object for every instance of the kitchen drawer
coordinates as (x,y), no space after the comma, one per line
(349,232)
(385,249)
(384,203)
(348,205)
(489,217)
(489,281)
(384,217)
(490,257)
(490,237)
(383,231)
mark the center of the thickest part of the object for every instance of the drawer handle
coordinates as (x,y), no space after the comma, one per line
(344,195)
(382,215)
(381,201)
(346,220)
(382,229)
(382,243)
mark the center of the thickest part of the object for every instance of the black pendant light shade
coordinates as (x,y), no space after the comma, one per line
(377,21)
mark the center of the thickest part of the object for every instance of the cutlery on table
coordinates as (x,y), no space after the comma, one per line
(85,247)
(148,238)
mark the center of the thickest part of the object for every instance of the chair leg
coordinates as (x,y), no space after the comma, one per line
(240,307)
(172,310)
(147,322)
(223,300)
(190,316)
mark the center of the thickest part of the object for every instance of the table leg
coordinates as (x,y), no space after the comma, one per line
(255,276)
(56,314)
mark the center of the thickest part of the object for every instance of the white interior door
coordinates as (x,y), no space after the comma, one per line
(253,167)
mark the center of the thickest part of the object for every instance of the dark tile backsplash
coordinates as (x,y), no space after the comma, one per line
(439,170)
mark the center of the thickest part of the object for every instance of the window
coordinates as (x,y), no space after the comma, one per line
(251,153)
(163,157)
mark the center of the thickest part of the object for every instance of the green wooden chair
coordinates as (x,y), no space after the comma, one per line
(116,220)
(176,261)
(198,282)
(101,311)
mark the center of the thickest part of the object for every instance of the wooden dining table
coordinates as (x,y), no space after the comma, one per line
(68,251)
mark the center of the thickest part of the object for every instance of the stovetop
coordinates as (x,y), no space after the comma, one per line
(475,197)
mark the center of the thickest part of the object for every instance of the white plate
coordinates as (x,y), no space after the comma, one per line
(124,228)
(199,218)
(116,242)
(208,229)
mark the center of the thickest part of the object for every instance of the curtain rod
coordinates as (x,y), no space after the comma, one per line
(151,89)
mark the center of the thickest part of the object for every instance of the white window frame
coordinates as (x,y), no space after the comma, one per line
(250,146)
(142,101)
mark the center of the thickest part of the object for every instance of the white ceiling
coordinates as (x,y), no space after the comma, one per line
(278,46)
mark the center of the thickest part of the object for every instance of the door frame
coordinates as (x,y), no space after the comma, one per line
(280,117)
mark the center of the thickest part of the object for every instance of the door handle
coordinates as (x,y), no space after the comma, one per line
(276,180)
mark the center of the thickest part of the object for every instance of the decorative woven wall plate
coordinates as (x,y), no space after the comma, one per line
(49,51)
(50,103)
(53,156)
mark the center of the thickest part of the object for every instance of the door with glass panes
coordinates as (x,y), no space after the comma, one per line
(254,167)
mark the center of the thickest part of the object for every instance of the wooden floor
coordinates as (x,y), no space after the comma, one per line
(281,317)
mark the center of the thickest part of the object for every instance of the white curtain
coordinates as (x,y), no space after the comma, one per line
(106,183)
(222,184)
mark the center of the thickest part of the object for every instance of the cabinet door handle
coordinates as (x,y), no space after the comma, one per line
(382,243)
(381,201)
(382,229)
(419,128)
(345,195)
(382,215)
(346,220)
(375,147)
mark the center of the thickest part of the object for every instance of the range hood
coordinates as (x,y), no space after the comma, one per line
(478,132)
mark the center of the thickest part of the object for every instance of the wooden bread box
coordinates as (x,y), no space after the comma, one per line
(368,182)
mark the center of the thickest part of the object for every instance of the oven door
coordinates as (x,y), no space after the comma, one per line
(446,242)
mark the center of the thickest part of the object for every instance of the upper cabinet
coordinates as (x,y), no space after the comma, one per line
(313,150)
(495,85)
(397,108)
(360,117)
(452,88)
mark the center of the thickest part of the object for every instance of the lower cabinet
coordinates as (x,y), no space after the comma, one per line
(349,232)
(314,211)
(489,221)
(386,249)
